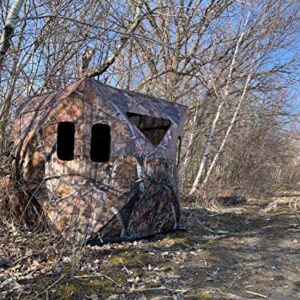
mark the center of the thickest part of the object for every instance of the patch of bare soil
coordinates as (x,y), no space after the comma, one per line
(249,251)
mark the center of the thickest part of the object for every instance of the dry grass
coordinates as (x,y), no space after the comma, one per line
(236,252)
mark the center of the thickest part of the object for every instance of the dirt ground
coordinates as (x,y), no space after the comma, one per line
(249,251)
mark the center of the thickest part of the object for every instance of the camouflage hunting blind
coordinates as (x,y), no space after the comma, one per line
(99,161)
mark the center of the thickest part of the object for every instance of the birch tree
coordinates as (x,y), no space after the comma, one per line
(9,28)
(219,110)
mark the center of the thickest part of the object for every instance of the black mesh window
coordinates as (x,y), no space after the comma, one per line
(100,143)
(65,140)
(154,129)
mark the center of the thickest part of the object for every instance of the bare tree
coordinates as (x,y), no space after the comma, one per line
(231,62)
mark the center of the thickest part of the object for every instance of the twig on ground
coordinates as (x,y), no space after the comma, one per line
(256,294)
(52,285)
(98,275)
(214,231)
(214,273)
(161,288)
(234,279)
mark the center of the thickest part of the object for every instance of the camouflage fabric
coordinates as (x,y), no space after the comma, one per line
(134,194)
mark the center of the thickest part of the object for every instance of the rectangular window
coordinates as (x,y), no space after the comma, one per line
(154,129)
(65,140)
(100,143)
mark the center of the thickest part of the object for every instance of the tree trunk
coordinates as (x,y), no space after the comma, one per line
(227,132)
(9,28)
(218,114)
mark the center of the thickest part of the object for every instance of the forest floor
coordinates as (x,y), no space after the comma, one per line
(250,251)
